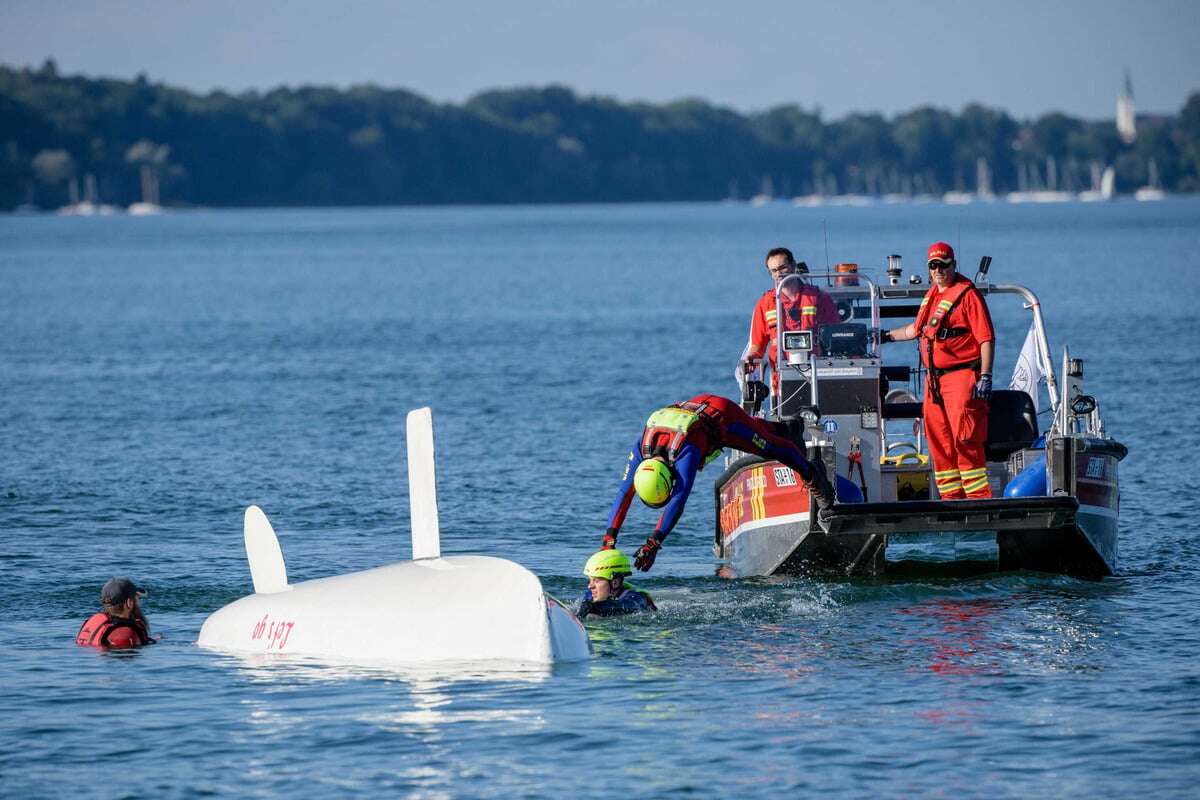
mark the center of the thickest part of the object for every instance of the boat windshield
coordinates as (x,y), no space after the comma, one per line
(840,312)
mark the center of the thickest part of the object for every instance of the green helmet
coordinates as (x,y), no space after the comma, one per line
(653,482)
(607,564)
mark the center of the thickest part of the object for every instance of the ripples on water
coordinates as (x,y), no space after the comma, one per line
(160,374)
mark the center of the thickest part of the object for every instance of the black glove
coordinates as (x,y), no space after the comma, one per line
(983,387)
(609,542)
(643,559)
(886,336)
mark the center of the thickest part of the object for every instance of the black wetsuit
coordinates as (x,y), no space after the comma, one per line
(628,601)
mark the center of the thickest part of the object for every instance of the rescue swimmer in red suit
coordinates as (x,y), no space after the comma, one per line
(805,311)
(677,442)
(957,346)
(121,625)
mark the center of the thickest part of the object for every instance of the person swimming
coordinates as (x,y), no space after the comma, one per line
(607,594)
(121,624)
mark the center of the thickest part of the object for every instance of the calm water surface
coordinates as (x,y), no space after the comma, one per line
(157,375)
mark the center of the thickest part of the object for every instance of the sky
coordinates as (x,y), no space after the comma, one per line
(1027,57)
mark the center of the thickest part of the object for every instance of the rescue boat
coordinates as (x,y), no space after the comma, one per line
(1056,494)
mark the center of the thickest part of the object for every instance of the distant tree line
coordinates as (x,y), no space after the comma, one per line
(369,146)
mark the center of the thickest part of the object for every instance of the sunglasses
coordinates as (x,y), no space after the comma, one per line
(940,265)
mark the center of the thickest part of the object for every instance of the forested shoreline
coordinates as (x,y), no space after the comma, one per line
(366,145)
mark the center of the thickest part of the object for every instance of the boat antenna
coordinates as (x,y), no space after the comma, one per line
(825,231)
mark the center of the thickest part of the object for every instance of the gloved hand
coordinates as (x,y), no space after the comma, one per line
(643,559)
(609,541)
(983,388)
(886,336)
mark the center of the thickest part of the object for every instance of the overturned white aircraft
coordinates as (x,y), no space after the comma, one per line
(428,609)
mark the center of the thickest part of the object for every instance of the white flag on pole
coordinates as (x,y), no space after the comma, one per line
(1027,373)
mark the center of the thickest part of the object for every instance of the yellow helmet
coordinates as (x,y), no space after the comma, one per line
(607,564)
(653,482)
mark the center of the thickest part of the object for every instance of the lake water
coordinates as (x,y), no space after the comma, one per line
(157,375)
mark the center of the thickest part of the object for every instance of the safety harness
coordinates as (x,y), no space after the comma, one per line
(933,330)
(676,421)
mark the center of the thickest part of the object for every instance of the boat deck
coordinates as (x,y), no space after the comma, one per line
(950,516)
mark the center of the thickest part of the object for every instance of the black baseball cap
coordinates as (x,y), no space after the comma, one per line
(118,590)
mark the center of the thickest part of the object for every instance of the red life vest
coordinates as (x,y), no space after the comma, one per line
(99,628)
(933,330)
(666,432)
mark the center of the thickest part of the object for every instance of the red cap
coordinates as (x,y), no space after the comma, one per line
(940,251)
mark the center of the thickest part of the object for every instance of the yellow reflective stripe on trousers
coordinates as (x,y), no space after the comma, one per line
(974,486)
(974,479)
(947,481)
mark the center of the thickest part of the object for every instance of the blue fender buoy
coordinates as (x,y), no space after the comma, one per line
(848,491)
(1030,482)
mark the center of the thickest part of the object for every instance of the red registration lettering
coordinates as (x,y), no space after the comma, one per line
(275,633)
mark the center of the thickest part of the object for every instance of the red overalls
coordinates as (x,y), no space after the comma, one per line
(956,322)
(805,312)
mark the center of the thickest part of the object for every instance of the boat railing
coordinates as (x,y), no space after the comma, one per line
(1032,304)
(858,286)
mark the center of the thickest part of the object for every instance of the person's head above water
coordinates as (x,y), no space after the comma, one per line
(606,571)
(119,596)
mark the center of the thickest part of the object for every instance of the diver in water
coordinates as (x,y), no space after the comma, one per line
(678,441)
(121,625)
(607,594)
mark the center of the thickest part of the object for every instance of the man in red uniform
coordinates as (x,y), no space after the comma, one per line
(677,442)
(803,311)
(957,346)
(121,624)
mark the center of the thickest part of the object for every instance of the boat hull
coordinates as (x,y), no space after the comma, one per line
(438,609)
(765,526)
(760,529)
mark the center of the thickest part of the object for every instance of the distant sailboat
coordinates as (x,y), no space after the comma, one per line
(1051,193)
(1023,193)
(767,195)
(983,187)
(1102,185)
(817,196)
(90,206)
(1152,190)
(149,203)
